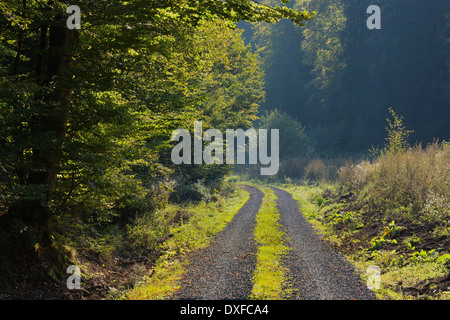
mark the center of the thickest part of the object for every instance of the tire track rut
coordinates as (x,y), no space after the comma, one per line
(316,271)
(224,269)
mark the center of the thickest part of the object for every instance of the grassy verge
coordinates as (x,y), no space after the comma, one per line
(205,221)
(269,277)
(413,259)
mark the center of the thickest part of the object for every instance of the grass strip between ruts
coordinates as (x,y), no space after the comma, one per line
(269,277)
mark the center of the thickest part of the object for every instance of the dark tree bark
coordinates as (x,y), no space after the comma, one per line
(52,70)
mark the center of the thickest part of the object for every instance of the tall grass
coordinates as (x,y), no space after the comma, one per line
(403,179)
(414,181)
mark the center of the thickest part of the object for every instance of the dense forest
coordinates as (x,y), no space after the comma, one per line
(87,116)
(339,78)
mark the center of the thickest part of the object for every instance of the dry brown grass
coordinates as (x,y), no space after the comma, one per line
(415,181)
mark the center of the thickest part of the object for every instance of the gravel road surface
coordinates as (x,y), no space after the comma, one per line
(224,269)
(317,272)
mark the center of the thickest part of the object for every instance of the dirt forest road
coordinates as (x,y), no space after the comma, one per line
(224,269)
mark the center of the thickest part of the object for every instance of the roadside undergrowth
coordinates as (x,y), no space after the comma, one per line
(205,221)
(269,277)
(413,259)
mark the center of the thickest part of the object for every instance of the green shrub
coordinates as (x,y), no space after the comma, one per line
(387,236)
(397,139)
(192,192)
(147,230)
(294,142)
(320,201)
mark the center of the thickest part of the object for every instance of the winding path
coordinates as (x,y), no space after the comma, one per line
(224,269)
(316,271)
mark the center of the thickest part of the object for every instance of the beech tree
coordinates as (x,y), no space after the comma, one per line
(77,104)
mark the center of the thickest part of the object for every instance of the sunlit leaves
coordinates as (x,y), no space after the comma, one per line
(137,70)
(322,45)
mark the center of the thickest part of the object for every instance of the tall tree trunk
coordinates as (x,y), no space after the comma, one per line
(50,124)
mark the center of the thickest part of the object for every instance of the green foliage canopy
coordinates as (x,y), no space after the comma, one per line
(86,115)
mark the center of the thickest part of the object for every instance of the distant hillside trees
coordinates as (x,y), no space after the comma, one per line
(340,78)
